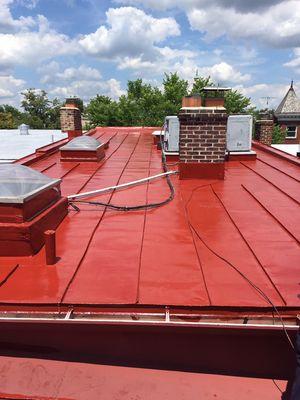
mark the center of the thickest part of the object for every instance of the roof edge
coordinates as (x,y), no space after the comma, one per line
(276,152)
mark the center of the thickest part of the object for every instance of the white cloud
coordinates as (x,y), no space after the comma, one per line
(28,3)
(52,74)
(275,22)
(7,23)
(295,62)
(262,93)
(10,88)
(130,32)
(87,89)
(83,81)
(20,45)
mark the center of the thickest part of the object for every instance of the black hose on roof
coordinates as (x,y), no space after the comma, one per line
(138,207)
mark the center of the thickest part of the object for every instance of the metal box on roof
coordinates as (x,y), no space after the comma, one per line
(172,133)
(239,132)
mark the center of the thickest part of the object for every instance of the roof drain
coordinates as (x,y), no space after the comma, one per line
(30,204)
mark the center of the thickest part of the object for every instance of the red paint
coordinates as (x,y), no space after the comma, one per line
(242,157)
(50,247)
(191,101)
(154,258)
(63,380)
(276,152)
(75,133)
(27,211)
(26,239)
(201,170)
(172,157)
(214,102)
(83,156)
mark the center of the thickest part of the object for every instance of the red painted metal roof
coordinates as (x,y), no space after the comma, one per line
(181,254)
(24,378)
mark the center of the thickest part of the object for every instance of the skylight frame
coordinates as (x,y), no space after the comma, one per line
(28,196)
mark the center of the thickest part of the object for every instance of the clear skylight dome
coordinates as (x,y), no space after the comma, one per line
(82,143)
(18,182)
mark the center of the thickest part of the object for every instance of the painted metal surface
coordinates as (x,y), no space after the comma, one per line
(24,378)
(176,255)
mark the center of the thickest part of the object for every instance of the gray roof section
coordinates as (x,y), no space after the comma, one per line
(290,104)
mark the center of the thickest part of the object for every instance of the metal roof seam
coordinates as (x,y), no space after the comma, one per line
(277,169)
(99,222)
(249,247)
(101,164)
(143,235)
(271,183)
(253,285)
(273,216)
(193,238)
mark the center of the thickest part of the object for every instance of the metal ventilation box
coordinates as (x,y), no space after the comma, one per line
(172,133)
(239,132)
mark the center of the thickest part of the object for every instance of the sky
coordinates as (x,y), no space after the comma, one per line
(89,47)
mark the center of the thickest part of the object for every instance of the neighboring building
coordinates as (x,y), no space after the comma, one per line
(15,145)
(288,116)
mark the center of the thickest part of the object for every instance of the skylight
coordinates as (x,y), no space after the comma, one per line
(18,182)
(82,143)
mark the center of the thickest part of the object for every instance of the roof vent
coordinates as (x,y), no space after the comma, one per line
(23,128)
(83,148)
(30,204)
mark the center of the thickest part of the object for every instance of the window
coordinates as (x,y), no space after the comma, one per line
(291,132)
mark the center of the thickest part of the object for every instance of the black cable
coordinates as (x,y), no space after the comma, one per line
(138,207)
(260,291)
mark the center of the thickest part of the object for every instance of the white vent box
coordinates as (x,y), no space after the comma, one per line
(239,132)
(171,136)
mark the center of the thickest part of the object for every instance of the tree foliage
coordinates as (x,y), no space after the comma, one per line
(199,84)
(278,135)
(142,105)
(40,112)
(235,102)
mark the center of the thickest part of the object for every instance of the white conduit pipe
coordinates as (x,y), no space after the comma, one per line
(122,186)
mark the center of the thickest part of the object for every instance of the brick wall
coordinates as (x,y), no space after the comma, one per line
(70,121)
(284,125)
(202,142)
(264,131)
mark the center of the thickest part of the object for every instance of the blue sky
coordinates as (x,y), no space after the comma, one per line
(85,47)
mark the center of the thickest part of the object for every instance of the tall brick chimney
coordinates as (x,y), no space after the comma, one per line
(70,118)
(202,142)
(264,130)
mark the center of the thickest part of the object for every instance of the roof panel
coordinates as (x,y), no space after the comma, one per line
(158,257)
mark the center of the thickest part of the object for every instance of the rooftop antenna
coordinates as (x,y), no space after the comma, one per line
(268,98)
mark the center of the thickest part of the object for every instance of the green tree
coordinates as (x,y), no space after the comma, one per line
(36,104)
(175,89)
(235,102)
(40,112)
(6,120)
(199,84)
(53,114)
(278,135)
(102,111)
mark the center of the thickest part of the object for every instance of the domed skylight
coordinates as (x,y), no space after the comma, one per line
(82,143)
(18,182)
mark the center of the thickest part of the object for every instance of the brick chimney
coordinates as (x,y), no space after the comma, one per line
(264,130)
(202,142)
(70,118)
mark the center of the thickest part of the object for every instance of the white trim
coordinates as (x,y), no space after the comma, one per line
(296,132)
